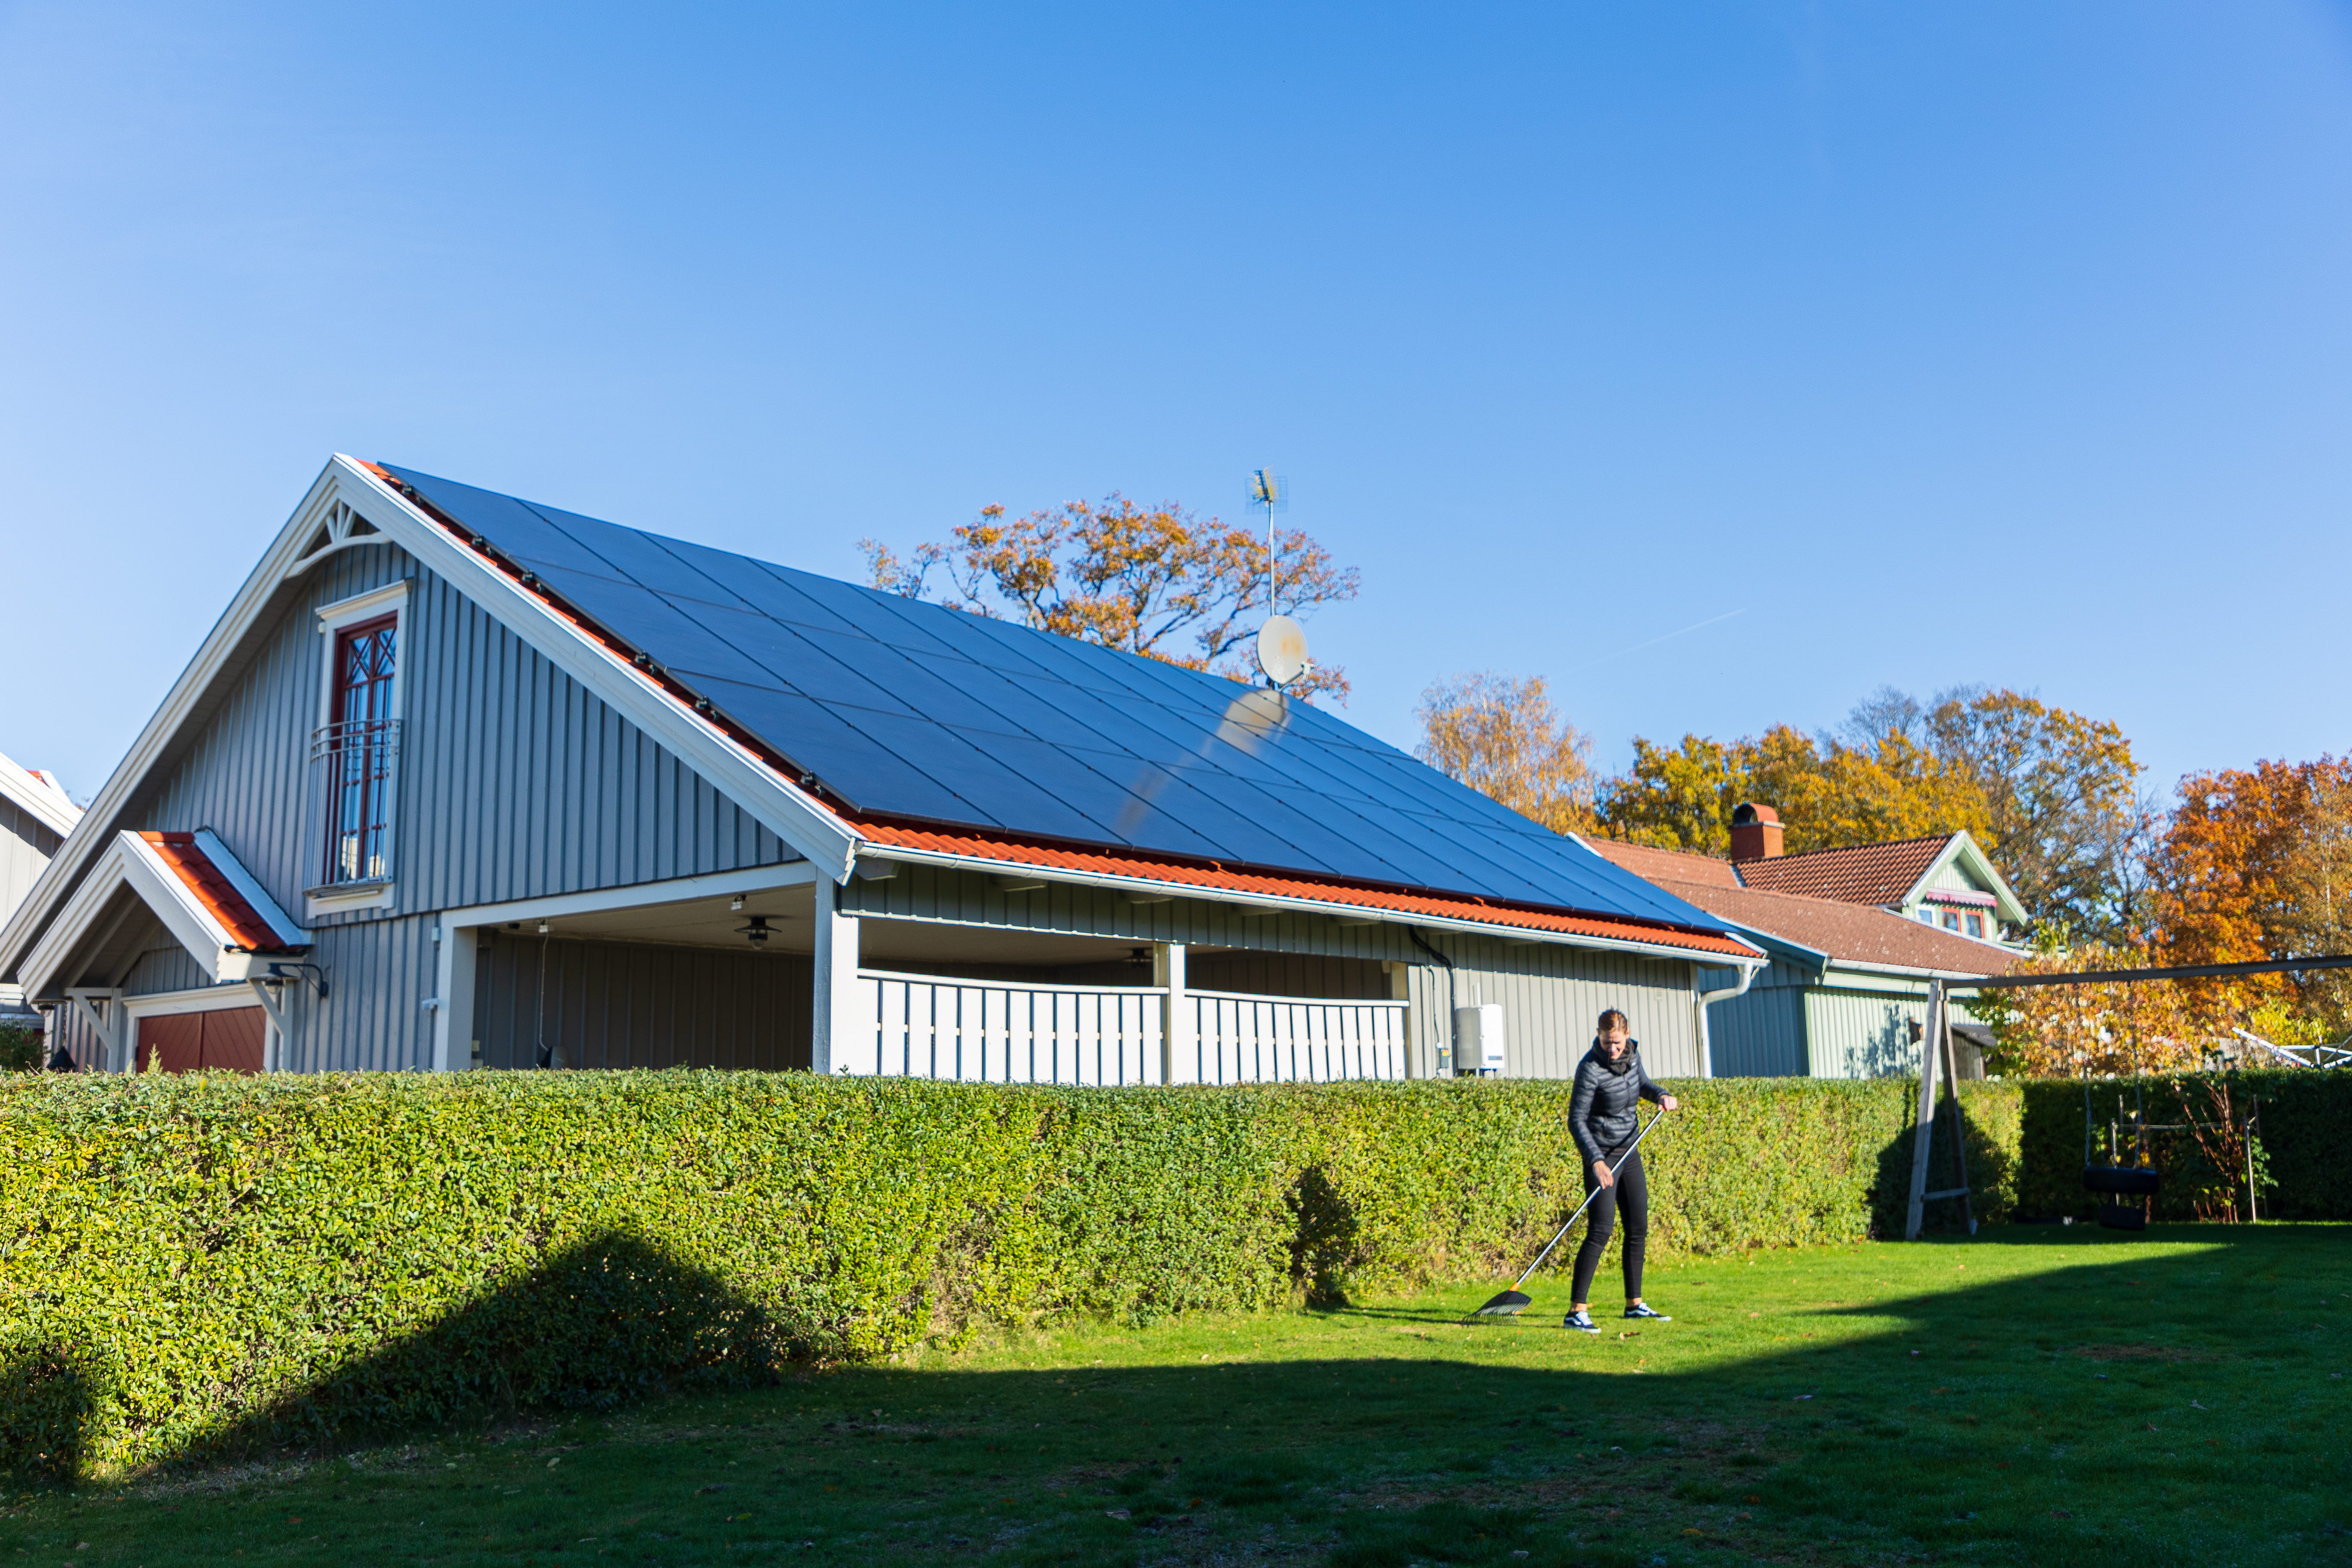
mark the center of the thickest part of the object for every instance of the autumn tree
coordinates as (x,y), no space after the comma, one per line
(1504,738)
(1828,792)
(2097,1029)
(2257,864)
(2061,813)
(1157,581)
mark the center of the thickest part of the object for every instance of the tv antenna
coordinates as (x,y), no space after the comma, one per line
(1281,642)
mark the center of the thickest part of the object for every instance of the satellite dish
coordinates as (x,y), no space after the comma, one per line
(1282,649)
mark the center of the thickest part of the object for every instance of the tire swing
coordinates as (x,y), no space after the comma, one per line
(2114,1180)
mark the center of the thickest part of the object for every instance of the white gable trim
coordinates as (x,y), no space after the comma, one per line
(47,803)
(345,489)
(1963,848)
(132,862)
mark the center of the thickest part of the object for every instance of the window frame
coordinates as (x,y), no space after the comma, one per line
(335,622)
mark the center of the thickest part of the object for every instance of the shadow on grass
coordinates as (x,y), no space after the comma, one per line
(606,1322)
(1999,1442)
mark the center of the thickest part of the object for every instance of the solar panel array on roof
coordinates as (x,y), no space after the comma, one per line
(906,709)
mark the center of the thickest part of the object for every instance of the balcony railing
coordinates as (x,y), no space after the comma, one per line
(356,779)
(988,1031)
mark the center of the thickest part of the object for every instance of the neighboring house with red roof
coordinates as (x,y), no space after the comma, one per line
(1943,879)
(35,814)
(461,780)
(1846,993)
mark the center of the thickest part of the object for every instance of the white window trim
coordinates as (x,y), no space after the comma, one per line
(393,599)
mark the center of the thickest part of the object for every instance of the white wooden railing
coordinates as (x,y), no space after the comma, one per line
(994,1032)
(989,1031)
(1266,1039)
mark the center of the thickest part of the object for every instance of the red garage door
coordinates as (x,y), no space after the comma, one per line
(227,1040)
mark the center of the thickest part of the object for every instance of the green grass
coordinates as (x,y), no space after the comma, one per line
(2034,1396)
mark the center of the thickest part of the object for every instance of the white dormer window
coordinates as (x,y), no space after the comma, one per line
(356,749)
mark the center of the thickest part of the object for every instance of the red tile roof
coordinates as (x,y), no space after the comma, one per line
(1217,878)
(247,926)
(1849,933)
(1864,874)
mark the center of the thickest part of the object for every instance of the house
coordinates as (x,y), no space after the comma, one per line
(1943,880)
(35,817)
(1846,993)
(459,781)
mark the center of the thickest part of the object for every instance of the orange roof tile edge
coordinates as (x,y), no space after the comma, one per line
(1216,878)
(215,892)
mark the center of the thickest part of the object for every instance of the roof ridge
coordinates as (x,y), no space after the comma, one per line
(1855,849)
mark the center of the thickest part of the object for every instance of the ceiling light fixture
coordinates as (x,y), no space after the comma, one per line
(757,932)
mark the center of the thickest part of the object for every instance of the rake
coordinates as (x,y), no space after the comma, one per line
(1514,1301)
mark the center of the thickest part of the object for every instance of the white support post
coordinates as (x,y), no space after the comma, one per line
(833,995)
(457,952)
(1400,975)
(109,1027)
(1175,1009)
(273,1048)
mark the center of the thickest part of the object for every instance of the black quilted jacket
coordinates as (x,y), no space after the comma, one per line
(1600,1112)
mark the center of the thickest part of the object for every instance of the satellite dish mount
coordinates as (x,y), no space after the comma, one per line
(1281,641)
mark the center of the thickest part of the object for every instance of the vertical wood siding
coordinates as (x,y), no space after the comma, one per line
(641,1004)
(1762,1033)
(513,782)
(27,843)
(1862,1034)
(1551,995)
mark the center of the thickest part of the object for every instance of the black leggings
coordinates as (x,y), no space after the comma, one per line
(1630,1193)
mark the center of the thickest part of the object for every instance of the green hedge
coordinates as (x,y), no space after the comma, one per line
(205,1263)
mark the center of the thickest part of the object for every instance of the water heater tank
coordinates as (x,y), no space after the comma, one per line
(1479,1038)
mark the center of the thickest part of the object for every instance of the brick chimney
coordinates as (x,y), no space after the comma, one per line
(1755,832)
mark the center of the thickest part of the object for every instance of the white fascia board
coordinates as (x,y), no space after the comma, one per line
(232,869)
(779,805)
(89,838)
(1263,902)
(635,896)
(47,803)
(182,914)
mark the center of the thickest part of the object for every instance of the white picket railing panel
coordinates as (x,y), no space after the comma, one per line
(989,1031)
(1283,1039)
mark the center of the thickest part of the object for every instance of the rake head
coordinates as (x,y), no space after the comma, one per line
(1509,1304)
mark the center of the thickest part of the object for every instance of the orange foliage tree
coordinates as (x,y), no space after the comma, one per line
(1503,738)
(2257,864)
(1157,581)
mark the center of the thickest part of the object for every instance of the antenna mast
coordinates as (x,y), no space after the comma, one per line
(1281,641)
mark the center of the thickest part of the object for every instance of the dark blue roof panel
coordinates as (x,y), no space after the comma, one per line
(913,709)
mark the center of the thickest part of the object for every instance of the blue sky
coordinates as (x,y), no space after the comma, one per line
(1896,343)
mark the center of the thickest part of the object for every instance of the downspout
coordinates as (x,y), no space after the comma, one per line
(1450,1058)
(1748,973)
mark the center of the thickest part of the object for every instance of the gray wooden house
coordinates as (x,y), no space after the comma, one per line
(462,781)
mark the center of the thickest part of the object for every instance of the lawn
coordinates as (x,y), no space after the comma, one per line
(2038,1395)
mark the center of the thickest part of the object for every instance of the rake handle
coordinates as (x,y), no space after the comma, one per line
(1587,1203)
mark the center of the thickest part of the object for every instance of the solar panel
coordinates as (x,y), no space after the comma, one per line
(912,710)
